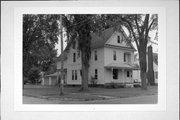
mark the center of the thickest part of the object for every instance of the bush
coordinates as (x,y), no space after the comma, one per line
(111,85)
(93,81)
(33,74)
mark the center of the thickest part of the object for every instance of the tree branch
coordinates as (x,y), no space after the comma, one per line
(131,31)
(151,24)
(147,29)
(137,24)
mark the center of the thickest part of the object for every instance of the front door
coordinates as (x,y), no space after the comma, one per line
(115,74)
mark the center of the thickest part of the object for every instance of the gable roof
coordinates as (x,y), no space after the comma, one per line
(62,56)
(99,39)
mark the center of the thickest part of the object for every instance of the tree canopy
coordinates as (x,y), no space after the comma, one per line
(40,33)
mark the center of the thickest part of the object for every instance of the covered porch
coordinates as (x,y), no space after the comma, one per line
(120,73)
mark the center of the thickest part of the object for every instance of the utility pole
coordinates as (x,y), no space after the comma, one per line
(62,63)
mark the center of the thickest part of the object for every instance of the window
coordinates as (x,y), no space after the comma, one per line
(95,55)
(96,74)
(156,75)
(128,74)
(127,57)
(74,57)
(114,55)
(81,72)
(118,39)
(75,74)
(72,74)
(115,73)
(124,57)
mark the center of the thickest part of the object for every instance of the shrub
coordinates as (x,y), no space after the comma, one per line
(111,85)
(93,81)
(33,74)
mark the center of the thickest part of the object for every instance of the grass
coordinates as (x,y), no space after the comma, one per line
(94,93)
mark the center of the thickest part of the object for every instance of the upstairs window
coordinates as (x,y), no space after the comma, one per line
(114,55)
(96,74)
(95,55)
(127,57)
(74,57)
(118,39)
(124,57)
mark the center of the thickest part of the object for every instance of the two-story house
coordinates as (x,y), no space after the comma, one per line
(111,59)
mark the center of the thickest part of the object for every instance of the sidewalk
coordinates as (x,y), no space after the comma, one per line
(151,99)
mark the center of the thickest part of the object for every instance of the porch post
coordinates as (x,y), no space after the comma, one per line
(123,76)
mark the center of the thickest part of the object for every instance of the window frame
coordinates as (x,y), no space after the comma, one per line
(118,39)
(128,73)
(75,75)
(96,73)
(74,57)
(95,56)
(114,55)
(72,74)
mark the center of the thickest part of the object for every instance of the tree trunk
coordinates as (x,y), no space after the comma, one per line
(150,74)
(85,71)
(143,66)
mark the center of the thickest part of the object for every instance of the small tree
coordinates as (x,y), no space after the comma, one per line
(33,74)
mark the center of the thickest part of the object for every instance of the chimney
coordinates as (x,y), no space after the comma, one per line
(150,73)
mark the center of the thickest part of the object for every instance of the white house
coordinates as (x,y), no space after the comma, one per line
(112,59)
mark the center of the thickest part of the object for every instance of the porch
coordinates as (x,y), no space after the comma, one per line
(120,73)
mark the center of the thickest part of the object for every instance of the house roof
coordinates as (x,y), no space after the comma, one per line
(62,56)
(98,40)
(52,75)
(122,65)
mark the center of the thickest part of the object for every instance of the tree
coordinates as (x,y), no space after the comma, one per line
(34,74)
(138,26)
(79,28)
(40,33)
(81,32)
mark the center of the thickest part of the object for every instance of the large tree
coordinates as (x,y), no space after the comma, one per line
(79,28)
(40,33)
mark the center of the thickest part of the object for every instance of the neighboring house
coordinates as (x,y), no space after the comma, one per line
(136,73)
(112,59)
(50,79)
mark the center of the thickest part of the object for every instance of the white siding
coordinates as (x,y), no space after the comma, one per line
(99,65)
(108,55)
(113,40)
(104,57)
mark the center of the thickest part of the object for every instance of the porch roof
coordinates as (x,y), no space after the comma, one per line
(122,66)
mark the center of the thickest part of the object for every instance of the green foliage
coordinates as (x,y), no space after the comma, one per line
(34,74)
(39,37)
